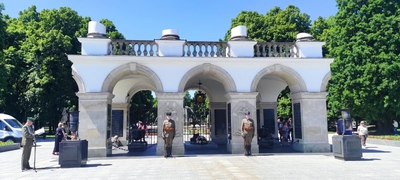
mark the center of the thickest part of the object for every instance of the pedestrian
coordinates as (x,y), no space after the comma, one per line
(28,135)
(60,135)
(395,126)
(247,128)
(340,130)
(362,131)
(290,129)
(168,134)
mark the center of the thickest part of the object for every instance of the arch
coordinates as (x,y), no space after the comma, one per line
(79,81)
(133,90)
(292,78)
(126,69)
(325,81)
(205,89)
(208,69)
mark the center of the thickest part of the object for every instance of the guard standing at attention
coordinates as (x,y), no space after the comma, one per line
(168,134)
(247,133)
(28,135)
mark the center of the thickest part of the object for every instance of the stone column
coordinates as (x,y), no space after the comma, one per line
(171,102)
(310,122)
(95,122)
(220,138)
(269,105)
(240,103)
(124,107)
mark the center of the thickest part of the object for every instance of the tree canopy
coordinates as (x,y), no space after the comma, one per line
(365,74)
(36,78)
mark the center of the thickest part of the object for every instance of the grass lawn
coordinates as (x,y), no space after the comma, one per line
(385,137)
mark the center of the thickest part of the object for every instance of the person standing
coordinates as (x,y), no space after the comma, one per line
(395,126)
(362,131)
(168,134)
(28,135)
(247,128)
(60,135)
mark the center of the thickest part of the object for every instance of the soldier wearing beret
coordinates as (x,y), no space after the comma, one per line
(247,128)
(28,135)
(168,134)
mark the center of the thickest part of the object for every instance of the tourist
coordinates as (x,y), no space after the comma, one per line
(362,131)
(290,125)
(60,135)
(395,126)
(168,134)
(339,128)
(247,129)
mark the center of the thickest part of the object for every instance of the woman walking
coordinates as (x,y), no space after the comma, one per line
(60,135)
(362,131)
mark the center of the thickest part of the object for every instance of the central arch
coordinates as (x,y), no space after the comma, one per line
(208,69)
(292,78)
(126,69)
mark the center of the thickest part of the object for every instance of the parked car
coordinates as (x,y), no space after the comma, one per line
(10,129)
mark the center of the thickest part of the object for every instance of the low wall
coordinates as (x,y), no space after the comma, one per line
(10,147)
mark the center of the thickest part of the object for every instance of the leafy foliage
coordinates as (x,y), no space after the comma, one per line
(141,108)
(277,25)
(365,74)
(37,76)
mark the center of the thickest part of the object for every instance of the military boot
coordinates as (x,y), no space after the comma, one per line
(166,152)
(249,150)
(170,152)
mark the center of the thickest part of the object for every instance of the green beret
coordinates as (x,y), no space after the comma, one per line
(30,119)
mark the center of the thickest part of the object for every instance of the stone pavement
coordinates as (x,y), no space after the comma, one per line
(379,162)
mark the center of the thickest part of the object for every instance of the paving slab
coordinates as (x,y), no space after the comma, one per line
(378,162)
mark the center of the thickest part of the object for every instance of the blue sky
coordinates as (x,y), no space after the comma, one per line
(205,20)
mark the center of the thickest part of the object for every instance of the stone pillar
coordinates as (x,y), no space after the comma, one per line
(239,45)
(273,106)
(171,102)
(95,122)
(124,107)
(240,103)
(170,45)
(310,122)
(219,138)
(307,47)
(96,43)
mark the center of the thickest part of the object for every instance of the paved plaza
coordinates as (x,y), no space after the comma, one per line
(379,162)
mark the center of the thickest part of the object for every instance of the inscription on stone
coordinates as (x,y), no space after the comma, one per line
(297,120)
(117,122)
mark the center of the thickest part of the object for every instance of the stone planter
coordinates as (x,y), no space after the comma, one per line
(10,147)
(73,153)
(347,147)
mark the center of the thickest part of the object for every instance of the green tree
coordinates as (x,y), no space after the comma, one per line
(277,25)
(321,29)
(3,69)
(40,82)
(141,107)
(365,73)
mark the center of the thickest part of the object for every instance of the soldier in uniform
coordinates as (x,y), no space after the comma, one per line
(28,135)
(247,133)
(168,134)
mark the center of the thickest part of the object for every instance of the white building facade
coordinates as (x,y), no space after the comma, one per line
(239,75)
